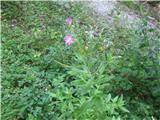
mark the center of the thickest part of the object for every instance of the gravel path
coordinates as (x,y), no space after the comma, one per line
(111,10)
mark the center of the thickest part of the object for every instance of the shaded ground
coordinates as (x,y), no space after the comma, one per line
(113,10)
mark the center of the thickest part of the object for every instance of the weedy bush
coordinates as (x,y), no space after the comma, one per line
(56,66)
(137,74)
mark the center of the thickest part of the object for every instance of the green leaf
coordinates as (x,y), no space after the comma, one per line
(108,98)
(124,109)
(115,99)
(78,82)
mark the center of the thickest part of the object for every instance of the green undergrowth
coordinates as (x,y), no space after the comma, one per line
(106,74)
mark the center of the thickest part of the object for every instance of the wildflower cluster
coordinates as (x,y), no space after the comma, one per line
(68,39)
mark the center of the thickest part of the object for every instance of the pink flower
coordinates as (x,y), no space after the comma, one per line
(69,20)
(69,39)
